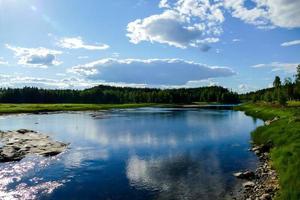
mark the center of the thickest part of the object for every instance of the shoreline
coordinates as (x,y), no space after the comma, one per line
(7,108)
(276,144)
(261,184)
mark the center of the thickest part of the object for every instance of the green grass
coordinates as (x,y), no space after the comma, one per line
(294,103)
(285,136)
(35,108)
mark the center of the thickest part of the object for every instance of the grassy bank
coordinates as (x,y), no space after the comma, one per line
(284,134)
(34,108)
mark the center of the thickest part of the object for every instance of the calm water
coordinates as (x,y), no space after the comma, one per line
(146,153)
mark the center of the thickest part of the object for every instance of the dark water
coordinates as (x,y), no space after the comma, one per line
(147,153)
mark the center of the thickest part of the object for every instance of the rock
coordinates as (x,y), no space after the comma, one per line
(245,175)
(265,197)
(265,184)
(248,184)
(23,131)
(16,145)
(257,152)
(268,122)
(255,148)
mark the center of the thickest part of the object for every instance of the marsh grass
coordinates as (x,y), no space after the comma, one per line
(35,108)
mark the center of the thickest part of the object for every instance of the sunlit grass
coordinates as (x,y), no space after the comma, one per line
(32,108)
(285,136)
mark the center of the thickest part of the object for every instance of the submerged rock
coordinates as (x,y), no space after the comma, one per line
(18,144)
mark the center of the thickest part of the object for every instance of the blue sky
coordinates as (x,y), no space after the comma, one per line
(239,44)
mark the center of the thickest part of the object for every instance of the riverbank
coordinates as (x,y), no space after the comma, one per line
(38,108)
(282,134)
(8,108)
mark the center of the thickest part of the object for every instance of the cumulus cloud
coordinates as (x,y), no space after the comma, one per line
(78,43)
(278,66)
(266,13)
(196,23)
(290,43)
(185,23)
(35,57)
(149,72)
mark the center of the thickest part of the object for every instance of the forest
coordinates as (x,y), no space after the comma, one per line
(109,94)
(281,92)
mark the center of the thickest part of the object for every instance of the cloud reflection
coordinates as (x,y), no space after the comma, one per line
(179,177)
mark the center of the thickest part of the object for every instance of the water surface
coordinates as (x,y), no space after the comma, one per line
(145,153)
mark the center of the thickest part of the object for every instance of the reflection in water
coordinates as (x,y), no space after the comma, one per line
(12,174)
(148,153)
(181,176)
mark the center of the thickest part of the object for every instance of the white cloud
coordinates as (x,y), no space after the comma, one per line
(185,23)
(164,4)
(278,66)
(246,88)
(17,81)
(266,13)
(291,43)
(35,57)
(21,81)
(2,61)
(189,23)
(193,84)
(151,72)
(78,43)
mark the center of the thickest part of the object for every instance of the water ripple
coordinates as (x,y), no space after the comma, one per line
(12,175)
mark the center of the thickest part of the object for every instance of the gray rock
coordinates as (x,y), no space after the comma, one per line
(265,197)
(248,184)
(18,144)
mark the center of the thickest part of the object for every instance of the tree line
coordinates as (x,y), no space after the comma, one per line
(110,94)
(281,92)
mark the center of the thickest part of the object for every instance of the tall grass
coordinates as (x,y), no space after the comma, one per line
(285,136)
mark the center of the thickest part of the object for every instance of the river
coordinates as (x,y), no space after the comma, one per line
(143,153)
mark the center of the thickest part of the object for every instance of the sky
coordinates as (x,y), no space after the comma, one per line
(239,44)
